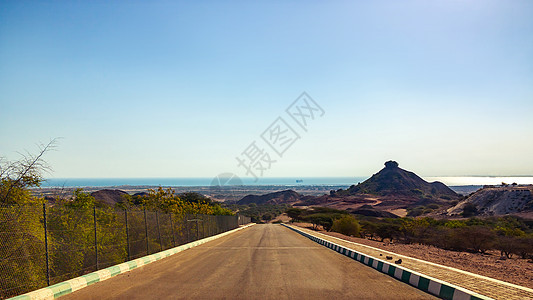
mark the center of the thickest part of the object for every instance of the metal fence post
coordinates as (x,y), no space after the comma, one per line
(95,240)
(46,246)
(197,228)
(203,227)
(173,232)
(127,235)
(158,230)
(188,229)
(146,231)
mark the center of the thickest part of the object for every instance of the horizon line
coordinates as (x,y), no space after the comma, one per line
(296,177)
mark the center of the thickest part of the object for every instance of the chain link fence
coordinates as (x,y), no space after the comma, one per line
(44,245)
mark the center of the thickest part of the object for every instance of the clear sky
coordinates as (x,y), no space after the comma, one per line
(180,89)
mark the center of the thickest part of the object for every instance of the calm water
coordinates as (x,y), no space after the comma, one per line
(100,182)
(481,180)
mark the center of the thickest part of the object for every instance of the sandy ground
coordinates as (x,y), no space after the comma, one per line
(401,212)
(514,270)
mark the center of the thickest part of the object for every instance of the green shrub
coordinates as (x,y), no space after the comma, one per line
(427,211)
(478,238)
(417,191)
(346,225)
(415,212)
(320,219)
(524,248)
(469,210)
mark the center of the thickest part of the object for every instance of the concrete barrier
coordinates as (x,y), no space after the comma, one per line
(423,282)
(69,286)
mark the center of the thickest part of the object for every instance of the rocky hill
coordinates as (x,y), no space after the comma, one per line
(491,201)
(397,182)
(109,197)
(282,197)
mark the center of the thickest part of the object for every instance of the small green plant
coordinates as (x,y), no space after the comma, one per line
(417,191)
(346,225)
(470,210)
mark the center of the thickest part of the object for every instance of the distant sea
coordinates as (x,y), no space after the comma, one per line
(282,181)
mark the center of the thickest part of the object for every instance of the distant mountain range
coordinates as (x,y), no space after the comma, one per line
(389,189)
(388,193)
(393,191)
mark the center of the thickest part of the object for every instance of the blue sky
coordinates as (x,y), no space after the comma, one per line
(180,89)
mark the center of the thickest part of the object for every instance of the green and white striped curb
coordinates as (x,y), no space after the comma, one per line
(69,286)
(423,282)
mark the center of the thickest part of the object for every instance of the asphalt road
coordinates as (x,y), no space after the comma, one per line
(260,262)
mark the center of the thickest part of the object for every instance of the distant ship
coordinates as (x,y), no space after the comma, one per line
(299,180)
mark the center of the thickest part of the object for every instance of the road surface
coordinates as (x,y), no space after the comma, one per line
(260,262)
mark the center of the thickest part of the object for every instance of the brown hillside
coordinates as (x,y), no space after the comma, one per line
(282,197)
(491,201)
(109,197)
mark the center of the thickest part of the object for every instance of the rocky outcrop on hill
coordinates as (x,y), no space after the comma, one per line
(282,197)
(394,181)
(109,197)
(491,201)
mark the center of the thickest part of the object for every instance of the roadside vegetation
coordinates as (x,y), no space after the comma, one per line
(79,224)
(512,236)
(259,213)
(318,216)
(167,201)
(422,210)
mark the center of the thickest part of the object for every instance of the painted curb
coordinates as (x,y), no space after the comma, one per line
(69,286)
(435,264)
(422,282)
